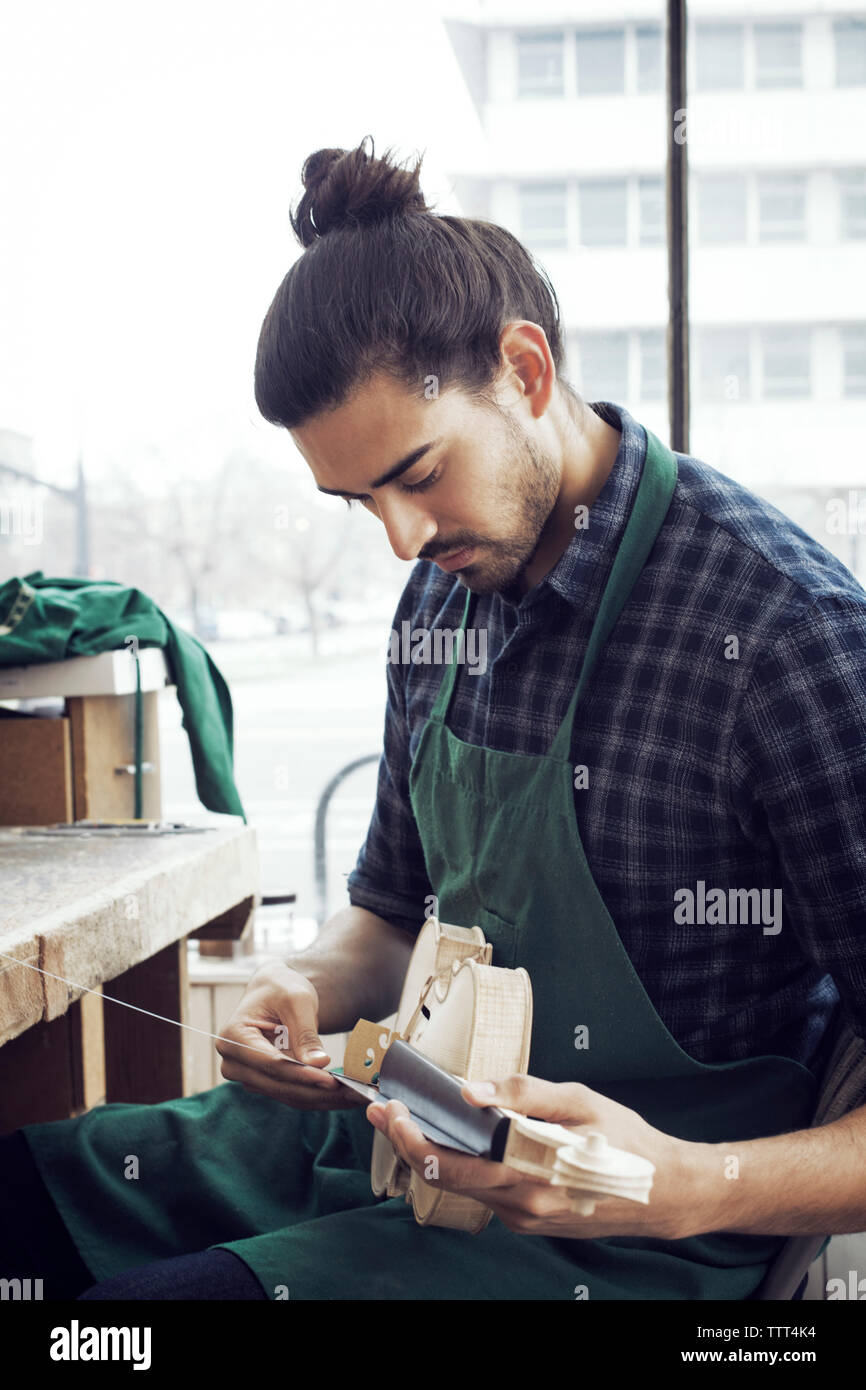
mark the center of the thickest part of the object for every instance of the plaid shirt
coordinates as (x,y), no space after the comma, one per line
(740,773)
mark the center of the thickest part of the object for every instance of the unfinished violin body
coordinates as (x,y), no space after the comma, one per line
(474,1020)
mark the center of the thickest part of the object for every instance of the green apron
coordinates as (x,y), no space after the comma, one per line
(289,1191)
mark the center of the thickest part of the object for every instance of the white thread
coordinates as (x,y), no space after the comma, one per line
(188,1026)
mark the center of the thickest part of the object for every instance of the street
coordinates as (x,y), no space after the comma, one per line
(297,722)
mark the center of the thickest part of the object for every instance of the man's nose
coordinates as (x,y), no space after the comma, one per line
(408,526)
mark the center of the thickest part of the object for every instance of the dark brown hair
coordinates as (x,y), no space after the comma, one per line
(387,285)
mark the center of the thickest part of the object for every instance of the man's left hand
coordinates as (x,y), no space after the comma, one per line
(531,1206)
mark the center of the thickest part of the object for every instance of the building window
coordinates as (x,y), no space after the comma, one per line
(543,214)
(603,366)
(852,204)
(854,360)
(781,207)
(539,65)
(723,369)
(649,57)
(778,58)
(850,37)
(653,365)
(721,209)
(719,57)
(600,61)
(651,198)
(602,212)
(787,364)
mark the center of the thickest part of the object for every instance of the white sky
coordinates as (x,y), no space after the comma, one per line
(149,153)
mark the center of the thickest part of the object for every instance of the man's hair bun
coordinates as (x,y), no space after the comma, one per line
(387,284)
(351,188)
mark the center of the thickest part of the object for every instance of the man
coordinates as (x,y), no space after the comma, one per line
(652,798)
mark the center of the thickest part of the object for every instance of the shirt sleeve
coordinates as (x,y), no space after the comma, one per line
(390,876)
(798,762)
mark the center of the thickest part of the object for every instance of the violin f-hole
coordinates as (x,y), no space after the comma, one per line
(366,1045)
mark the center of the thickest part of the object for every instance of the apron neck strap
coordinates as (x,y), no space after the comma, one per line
(446,685)
(651,504)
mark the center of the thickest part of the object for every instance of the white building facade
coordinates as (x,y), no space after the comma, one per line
(572,105)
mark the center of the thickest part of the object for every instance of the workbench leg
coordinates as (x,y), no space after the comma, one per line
(147,1060)
(87,1051)
(54,1070)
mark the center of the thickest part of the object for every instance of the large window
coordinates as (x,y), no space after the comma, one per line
(600,61)
(778,58)
(539,65)
(782,207)
(608,61)
(727,209)
(852,204)
(723,362)
(854,360)
(719,57)
(724,372)
(730,364)
(544,213)
(651,201)
(653,365)
(721,213)
(603,212)
(604,366)
(650,58)
(787,368)
(850,37)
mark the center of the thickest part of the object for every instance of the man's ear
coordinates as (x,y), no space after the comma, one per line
(529,373)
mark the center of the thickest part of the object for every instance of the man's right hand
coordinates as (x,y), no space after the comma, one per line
(278,1016)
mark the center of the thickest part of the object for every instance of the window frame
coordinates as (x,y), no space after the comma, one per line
(539,92)
(586,33)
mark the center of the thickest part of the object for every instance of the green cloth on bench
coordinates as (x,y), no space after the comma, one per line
(53,619)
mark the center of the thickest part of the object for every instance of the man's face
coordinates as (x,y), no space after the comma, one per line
(484,486)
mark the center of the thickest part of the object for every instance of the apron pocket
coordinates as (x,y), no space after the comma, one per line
(503,936)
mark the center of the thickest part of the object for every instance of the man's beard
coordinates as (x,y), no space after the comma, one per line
(528,487)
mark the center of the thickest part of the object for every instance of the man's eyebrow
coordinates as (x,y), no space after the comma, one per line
(394,472)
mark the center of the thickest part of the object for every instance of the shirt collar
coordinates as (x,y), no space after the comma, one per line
(583,567)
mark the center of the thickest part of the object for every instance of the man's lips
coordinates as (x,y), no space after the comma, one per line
(458,559)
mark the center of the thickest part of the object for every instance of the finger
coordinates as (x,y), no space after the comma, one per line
(555,1101)
(242,1039)
(310,1098)
(278,1068)
(293,1089)
(301,1018)
(286,1049)
(540,1203)
(245,1039)
(455,1170)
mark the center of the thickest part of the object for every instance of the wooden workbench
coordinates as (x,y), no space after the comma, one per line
(112,911)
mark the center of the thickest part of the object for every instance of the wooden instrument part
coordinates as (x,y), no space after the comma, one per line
(483,1033)
(475,1020)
